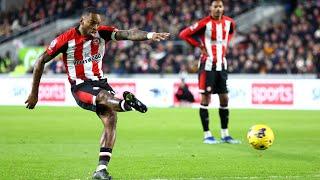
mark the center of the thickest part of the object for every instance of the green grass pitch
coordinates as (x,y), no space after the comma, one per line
(62,143)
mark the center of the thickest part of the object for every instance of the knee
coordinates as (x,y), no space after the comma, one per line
(224,101)
(205,104)
(205,100)
(102,97)
(102,109)
(102,106)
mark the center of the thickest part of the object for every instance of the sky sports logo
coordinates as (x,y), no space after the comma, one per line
(272,93)
(52,92)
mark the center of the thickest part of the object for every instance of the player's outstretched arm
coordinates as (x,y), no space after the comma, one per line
(37,73)
(138,35)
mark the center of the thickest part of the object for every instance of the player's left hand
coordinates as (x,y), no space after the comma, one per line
(31,101)
(160,36)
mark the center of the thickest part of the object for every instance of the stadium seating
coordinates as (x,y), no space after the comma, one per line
(32,14)
(291,46)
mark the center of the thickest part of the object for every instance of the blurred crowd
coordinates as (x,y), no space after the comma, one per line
(291,46)
(6,64)
(159,16)
(164,15)
(34,12)
(127,57)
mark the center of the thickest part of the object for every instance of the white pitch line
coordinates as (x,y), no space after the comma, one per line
(242,177)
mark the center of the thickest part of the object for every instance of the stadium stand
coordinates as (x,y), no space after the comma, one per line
(291,46)
(33,14)
(265,49)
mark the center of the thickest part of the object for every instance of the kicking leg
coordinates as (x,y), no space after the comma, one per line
(107,99)
(134,102)
(128,102)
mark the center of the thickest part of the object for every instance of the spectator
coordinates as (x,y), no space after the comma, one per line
(6,64)
(35,11)
(3,65)
(183,93)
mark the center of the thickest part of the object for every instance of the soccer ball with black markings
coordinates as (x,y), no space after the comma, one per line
(260,137)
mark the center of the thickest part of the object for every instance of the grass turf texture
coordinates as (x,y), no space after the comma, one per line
(62,143)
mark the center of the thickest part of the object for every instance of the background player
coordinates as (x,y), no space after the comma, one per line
(214,33)
(83,48)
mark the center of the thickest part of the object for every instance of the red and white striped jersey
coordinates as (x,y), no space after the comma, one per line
(214,35)
(82,55)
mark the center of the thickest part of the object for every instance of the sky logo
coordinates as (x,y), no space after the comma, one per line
(20,91)
(316,94)
(156,92)
(236,93)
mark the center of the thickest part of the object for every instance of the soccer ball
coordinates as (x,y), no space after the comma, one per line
(260,137)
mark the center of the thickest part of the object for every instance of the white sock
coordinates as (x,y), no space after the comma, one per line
(224,133)
(207,134)
(101,167)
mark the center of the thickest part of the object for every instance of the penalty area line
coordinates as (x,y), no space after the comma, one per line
(241,177)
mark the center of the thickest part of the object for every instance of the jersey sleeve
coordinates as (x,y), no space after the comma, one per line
(106,32)
(58,45)
(187,33)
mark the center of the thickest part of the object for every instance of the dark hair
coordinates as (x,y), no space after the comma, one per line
(91,9)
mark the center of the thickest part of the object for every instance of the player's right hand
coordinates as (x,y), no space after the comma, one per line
(160,36)
(31,101)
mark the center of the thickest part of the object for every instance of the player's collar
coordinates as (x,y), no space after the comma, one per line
(77,29)
(216,19)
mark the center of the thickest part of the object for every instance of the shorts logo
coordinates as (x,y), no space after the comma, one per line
(209,88)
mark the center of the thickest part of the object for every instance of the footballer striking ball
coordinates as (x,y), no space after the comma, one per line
(260,137)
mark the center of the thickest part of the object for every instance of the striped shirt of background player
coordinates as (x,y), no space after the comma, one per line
(215,36)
